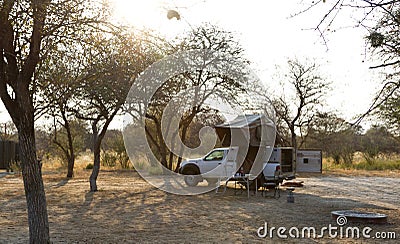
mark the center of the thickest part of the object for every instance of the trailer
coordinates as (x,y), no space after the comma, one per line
(8,153)
(285,157)
(309,161)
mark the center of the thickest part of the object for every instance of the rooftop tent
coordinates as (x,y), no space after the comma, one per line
(255,137)
(253,130)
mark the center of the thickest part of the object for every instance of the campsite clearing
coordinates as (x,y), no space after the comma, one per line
(128,209)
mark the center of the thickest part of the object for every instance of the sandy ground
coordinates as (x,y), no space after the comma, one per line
(128,210)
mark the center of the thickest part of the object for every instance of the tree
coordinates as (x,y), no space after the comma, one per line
(384,41)
(68,136)
(389,112)
(111,64)
(57,83)
(199,85)
(378,140)
(364,12)
(44,145)
(335,136)
(17,67)
(27,30)
(381,19)
(8,131)
(298,110)
(113,143)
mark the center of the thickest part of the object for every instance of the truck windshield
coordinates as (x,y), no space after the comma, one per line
(215,155)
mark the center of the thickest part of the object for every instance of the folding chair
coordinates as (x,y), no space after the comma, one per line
(273,183)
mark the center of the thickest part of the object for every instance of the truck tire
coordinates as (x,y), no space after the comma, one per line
(191,180)
(192,175)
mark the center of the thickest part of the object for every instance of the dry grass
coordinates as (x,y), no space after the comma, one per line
(57,165)
(329,168)
(385,166)
(127,209)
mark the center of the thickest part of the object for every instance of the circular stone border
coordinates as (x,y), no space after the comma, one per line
(360,217)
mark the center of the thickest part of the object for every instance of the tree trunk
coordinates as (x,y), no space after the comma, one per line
(17,76)
(171,160)
(33,184)
(96,167)
(71,158)
(184,131)
(97,139)
(96,155)
(294,145)
(185,126)
(294,141)
(71,163)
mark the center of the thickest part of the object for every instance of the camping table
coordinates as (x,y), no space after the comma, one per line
(245,179)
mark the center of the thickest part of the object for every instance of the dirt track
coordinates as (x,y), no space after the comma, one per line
(127,209)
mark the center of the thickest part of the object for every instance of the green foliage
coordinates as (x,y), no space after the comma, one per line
(44,145)
(8,131)
(207,82)
(79,131)
(113,143)
(378,140)
(124,161)
(89,166)
(389,111)
(108,159)
(139,165)
(337,138)
(15,166)
(155,170)
(378,165)
(302,96)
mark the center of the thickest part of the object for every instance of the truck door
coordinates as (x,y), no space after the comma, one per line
(212,160)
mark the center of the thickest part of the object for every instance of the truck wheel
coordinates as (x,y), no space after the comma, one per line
(212,182)
(191,180)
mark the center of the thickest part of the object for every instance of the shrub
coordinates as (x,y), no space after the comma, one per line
(140,165)
(155,171)
(123,160)
(89,166)
(15,166)
(379,165)
(108,159)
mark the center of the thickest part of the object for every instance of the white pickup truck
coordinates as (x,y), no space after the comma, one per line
(220,163)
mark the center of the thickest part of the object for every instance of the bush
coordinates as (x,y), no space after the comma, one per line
(15,167)
(108,159)
(89,166)
(140,165)
(155,171)
(378,165)
(123,159)
(363,164)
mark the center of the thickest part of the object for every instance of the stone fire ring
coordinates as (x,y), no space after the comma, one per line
(360,217)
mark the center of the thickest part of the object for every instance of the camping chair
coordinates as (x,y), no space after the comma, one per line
(273,183)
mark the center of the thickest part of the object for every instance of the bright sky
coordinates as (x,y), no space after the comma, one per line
(269,37)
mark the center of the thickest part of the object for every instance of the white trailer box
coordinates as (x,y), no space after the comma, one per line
(284,156)
(309,161)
